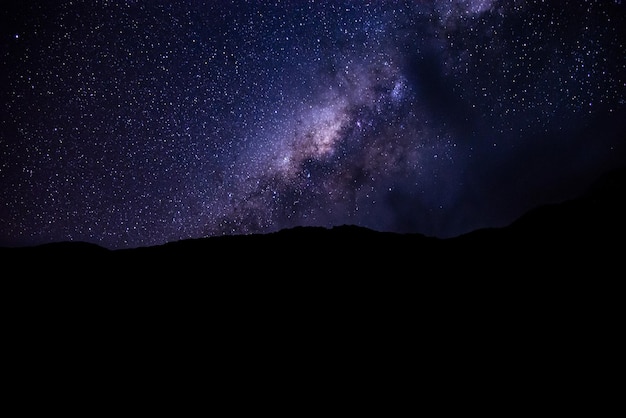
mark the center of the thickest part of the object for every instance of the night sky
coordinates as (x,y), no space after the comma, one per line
(135,123)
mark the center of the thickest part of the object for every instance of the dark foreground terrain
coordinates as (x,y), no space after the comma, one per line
(579,236)
(575,247)
(522,318)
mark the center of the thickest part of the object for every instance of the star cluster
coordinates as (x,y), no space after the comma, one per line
(135,123)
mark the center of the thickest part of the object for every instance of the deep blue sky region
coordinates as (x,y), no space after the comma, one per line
(136,123)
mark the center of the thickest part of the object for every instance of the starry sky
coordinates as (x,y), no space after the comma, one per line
(135,123)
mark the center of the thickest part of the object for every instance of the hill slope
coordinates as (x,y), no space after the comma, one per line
(533,305)
(584,232)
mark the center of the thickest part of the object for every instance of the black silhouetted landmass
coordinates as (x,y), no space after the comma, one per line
(535,304)
(579,235)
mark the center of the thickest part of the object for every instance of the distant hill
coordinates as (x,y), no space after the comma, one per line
(581,235)
(586,232)
(537,303)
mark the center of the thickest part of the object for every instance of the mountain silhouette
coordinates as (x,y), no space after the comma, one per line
(585,232)
(533,304)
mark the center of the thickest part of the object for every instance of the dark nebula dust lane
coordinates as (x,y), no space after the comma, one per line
(136,123)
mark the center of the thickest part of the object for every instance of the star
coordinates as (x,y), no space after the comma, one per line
(144,124)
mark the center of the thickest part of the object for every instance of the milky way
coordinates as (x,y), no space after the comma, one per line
(134,123)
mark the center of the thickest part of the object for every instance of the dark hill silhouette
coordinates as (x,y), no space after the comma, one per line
(586,232)
(558,259)
(532,305)
(581,235)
